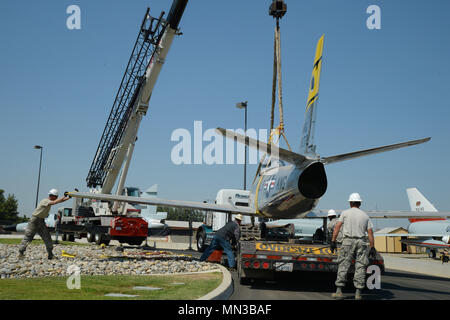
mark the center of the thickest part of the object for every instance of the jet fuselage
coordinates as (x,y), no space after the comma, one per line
(289,191)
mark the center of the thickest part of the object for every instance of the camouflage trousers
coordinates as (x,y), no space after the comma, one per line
(353,249)
(36,225)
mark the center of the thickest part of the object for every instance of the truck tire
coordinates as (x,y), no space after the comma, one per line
(71,237)
(135,242)
(98,238)
(90,237)
(201,240)
(64,237)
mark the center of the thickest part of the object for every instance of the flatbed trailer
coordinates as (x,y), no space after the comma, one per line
(262,259)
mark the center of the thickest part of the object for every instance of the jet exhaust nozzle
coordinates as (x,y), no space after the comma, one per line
(312,182)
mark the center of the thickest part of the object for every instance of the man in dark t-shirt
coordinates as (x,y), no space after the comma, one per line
(221,240)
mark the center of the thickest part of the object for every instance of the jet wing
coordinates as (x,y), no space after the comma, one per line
(274,151)
(427,243)
(166,203)
(406,214)
(387,214)
(420,235)
(361,153)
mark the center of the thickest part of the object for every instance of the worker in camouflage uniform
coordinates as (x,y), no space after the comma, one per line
(37,223)
(355,224)
(330,226)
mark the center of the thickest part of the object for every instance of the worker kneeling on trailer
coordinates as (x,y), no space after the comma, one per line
(221,240)
(355,223)
(37,223)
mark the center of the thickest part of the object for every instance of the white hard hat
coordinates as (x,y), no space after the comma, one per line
(355,197)
(53,192)
(446,239)
(238,217)
(331,213)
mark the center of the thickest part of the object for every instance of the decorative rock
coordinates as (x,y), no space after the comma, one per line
(93,260)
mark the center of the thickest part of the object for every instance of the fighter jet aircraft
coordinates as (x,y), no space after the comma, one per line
(287,188)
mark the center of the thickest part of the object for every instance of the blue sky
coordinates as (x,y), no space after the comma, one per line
(377,87)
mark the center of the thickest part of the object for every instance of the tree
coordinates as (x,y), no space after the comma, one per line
(8,207)
(179,214)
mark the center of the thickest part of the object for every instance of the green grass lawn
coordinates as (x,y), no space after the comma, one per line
(39,241)
(95,287)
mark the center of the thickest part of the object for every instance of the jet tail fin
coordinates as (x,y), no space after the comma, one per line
(418,202)
(361,153)
(307,141)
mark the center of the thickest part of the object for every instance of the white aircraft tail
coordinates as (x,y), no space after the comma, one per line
(418,202)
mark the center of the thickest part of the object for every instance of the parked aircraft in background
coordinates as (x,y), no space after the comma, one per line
(429,227)
(155,220)
(431,233)
(20,227)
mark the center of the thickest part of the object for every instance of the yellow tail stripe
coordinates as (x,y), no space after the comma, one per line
(315,77)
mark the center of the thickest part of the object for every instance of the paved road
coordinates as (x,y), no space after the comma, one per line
(395,285)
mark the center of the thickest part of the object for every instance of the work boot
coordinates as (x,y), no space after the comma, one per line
(338,294)
(50,256)
(21,255)
(358,294)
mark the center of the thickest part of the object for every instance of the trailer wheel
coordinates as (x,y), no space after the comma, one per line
(90,237)
(201,240)
(432,254)
(242,280)
(71,237)
(64,237)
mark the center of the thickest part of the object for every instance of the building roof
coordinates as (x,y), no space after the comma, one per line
(392,230)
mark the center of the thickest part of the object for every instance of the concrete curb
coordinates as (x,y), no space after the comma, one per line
(224,290)
(430,268)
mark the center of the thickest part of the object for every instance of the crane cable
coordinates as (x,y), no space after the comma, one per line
(276,80)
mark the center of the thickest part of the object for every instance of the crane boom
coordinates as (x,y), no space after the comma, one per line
(131,103)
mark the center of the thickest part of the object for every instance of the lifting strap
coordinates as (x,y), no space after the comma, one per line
(276,83)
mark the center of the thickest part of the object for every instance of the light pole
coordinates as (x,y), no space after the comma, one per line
(39,176)
(243,105)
